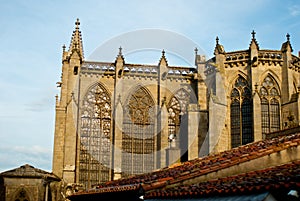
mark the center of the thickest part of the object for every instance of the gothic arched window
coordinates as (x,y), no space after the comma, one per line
(241,113)
(138,138)
(177,109)
(95,137)
(270,106)
(174,112)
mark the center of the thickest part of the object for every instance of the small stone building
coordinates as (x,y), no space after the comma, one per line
(27,183)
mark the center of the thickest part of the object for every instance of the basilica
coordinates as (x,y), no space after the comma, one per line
(116,119)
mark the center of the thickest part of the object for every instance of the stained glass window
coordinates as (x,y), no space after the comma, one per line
(247,134)
(270,105)
(95,137)
(235,123)
(138,138)
(274,115)
(265,123)
(241,113)
(177,109)
(174,111)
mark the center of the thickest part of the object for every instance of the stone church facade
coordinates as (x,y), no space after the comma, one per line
(27,183)
(115,119)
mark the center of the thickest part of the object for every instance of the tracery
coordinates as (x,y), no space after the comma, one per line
(95,137)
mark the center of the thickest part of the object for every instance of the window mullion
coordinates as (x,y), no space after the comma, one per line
(241,122)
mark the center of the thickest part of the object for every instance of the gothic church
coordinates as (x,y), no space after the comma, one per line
(116,119)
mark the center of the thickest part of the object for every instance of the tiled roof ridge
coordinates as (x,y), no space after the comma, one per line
(111,189)
(211,163)
(272,178)
(107,190)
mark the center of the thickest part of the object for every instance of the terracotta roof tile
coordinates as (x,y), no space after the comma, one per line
(284,176)
(201,166)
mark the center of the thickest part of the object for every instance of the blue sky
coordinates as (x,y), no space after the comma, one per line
(33,32)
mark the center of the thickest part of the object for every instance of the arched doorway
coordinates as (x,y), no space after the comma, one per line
(21,195)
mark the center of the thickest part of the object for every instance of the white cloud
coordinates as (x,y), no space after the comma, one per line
(294,10)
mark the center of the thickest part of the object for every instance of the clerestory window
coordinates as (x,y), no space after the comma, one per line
(241,113)
(270,106)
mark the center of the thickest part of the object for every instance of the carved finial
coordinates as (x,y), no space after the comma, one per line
(256,86)
(288,37)
(163,57)
(120,51)
(77,23)
(64,48)
(253,34)
(217,40)
(196,51)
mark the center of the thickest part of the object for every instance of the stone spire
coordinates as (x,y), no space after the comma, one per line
(196,56)
(120,51)
(287,77)
(196,51)
(286,46)
(163,59)
(76,41)
(219,49)
(120,57)
(254,43)
(254,48)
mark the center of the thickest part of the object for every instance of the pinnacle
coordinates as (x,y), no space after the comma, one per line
(76,41)
(120,51)
(253,34)
(253,41)
(163,57)
(77,23)
(196,50)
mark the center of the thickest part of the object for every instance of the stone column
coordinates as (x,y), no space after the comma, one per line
(193,128)
(257,117)
(117,149)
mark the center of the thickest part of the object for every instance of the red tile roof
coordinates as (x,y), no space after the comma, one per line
(270,179)
(175,175)
(211,163)
(132,187)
